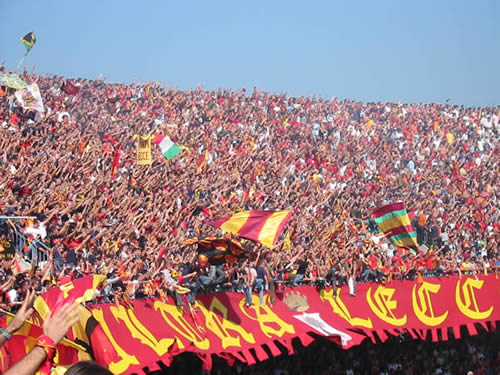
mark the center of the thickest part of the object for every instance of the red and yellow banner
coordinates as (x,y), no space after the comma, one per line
(86,331)
(260,226)
(78,291)
(155,330)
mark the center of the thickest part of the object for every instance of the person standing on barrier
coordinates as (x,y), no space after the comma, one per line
(250,277)
(301,271)
(270,277)
(331,277)
(261,282)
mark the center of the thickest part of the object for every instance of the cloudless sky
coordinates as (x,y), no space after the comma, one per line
(373,50)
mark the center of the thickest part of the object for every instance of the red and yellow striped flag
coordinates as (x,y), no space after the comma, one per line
(202,162)
(87,331)
(259,226)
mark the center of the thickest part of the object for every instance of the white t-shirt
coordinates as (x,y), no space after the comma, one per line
(37,232)
(12,295)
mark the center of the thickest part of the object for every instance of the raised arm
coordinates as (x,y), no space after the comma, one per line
(54,329)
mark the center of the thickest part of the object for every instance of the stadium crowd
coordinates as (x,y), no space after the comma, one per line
(329,161)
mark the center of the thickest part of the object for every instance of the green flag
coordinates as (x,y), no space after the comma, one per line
(29,41)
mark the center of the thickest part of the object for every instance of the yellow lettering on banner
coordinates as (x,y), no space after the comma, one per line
(66,288)
(423,307)
(221,327)
(127,359)
(182,326)
(384,304)
(470,299)
(264,315)
(138,331)
(340,308)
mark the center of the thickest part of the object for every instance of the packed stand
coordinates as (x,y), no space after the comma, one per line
(330,161)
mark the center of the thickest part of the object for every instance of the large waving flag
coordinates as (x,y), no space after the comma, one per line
(87,332)
(29,41)
(259,226)
(168,148)
(393,220)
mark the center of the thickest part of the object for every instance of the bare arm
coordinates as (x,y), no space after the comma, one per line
(30,363)
(53,327)
(22,314)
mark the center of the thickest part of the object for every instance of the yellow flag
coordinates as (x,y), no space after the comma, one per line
(287,244)
(436,126)
(143,149)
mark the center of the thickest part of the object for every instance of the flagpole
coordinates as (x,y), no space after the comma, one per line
(20,62)
(16,217)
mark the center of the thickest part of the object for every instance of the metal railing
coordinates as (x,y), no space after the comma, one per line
(38,249)
(29,248)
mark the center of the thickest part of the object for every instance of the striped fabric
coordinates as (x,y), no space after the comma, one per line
(260,226)
(168,148)
(393,220)
(87,330)
(78,291)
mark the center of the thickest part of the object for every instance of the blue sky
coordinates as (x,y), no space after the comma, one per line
(408,51)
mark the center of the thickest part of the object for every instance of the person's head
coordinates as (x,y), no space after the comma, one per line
(25,286)
(88,368)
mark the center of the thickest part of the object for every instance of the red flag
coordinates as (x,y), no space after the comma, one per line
(161,253)
(70,88)
(116,161)
(202,162)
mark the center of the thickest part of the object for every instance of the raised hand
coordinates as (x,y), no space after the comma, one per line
(23,313)
(57,326)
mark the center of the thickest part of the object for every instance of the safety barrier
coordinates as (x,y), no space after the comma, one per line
(29,248)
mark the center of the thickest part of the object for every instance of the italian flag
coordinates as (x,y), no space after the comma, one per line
(168,148)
